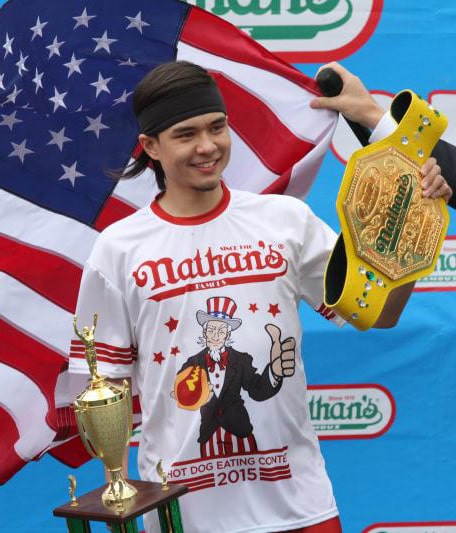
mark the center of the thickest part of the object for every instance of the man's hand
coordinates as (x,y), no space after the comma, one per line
(282,353)
(433,183)
(354,102)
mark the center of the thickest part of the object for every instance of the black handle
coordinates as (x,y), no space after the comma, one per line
(331,84)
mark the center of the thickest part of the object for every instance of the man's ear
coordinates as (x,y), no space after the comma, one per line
(150,145)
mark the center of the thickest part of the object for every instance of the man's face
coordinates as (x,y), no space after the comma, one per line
(216,334)
(193,152)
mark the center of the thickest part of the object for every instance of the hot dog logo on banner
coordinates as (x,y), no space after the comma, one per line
(351,411)
(302,30)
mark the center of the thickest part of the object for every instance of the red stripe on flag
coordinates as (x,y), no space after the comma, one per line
(113,210)
(211,34)
(38,362)
(72,453)
(46,273)
(279,186)
(268,148)
(11,462)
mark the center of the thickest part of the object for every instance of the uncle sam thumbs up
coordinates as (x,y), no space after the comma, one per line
(282,352)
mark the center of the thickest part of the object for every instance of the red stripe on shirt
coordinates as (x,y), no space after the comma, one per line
(78,346)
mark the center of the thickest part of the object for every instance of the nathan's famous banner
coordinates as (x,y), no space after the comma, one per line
(302,30)
(381,402)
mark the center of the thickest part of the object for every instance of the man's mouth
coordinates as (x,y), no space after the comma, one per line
(206,164)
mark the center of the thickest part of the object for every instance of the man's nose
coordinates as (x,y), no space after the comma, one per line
(205,144)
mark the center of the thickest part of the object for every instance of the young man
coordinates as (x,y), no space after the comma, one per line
(202,255)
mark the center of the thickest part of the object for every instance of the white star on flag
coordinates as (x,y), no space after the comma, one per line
(21,64)
(103,42)
(8,45)
(37,80)
(83,19)
(101,85)
(1,81)
(70,173)
(127,63)
(73,65)
(54,47)
(96,125)
(10,120)
(38,28)
(58,99)
(123,98)
(20,150)
(13,95)
(58,138)
(136,22)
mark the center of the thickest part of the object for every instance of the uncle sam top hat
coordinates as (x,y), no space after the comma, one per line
(219,308)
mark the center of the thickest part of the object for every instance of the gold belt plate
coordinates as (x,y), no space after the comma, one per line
(392,226)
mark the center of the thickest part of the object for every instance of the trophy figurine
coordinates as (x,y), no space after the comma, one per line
(104,416)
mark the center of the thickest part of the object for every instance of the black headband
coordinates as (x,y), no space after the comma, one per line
(164,113)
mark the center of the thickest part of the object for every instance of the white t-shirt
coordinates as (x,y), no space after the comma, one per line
(154,280)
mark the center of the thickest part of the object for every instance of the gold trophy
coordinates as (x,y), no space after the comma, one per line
(104,416)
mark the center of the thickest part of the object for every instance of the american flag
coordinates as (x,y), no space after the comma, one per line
(67,75)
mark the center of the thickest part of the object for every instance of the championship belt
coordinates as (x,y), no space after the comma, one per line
(391,235)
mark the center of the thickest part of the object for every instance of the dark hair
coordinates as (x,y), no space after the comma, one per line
(163,81)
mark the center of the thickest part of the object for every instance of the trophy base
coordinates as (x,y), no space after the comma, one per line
(150,496)
(118,491)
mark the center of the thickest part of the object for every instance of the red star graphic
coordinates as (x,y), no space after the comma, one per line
(253,308)
(158,358)
(274,309)
(172,324)
(175,350)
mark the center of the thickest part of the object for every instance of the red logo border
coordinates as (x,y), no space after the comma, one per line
(343,51)
(406,524)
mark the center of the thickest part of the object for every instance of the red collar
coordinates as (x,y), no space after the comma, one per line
(195,220)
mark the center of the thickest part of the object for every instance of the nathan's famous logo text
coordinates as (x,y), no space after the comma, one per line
(395,215)
(273,7)
(350,411)
(300,30)
(444,276)
(230,265)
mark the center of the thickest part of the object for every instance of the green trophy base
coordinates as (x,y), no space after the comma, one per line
(150,496)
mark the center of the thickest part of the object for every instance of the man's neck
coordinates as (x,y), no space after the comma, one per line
(191,203)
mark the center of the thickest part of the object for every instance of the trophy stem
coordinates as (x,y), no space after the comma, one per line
(118,489)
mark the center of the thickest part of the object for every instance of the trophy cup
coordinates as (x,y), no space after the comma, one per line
(104,416)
